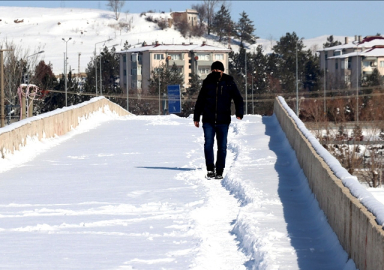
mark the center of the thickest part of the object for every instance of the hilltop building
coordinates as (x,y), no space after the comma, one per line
(189,15)
(189,58)
(349,63)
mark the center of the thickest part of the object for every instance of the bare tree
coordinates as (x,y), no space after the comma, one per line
(116,6)
(210,6)
(202,11)
(19,64)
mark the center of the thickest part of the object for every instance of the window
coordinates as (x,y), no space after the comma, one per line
(381,63)
(124,58)
(140,57)
(134,57)
(336,65)
(158,56)
(344,64)
(125,72)
(204,57)
(175,56)
(204,70)
(133,71)
(139,71)
(138,84)
(219,56)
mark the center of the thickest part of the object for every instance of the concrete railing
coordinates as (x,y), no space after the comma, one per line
(52,124)
(355,226)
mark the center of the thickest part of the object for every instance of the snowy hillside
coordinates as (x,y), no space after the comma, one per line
(44,28)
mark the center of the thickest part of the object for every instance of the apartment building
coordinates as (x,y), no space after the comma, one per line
(347,64)
(136,64)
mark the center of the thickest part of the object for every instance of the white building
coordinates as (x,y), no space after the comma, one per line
(189,58)
(349,63)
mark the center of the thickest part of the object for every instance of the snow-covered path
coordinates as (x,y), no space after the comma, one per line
(130,193)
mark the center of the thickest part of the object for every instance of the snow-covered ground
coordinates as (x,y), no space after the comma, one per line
(130,193)
(44,29)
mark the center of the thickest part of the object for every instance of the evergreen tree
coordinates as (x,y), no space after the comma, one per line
(126,46)
(286,50)
(330,42)
(308,64)
(44,77)
(312,72)
(222,24)
(109,73)
(374,79)
(260,71)
(166,76)
(190,95)
(245,29)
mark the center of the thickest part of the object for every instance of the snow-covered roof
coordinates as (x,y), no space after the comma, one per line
(346,55)
(340,47)
(367,42)
(376,51)
(177,48)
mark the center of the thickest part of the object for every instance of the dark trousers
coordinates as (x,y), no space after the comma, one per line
(221,132)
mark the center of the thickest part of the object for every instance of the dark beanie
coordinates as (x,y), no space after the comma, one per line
(217,65)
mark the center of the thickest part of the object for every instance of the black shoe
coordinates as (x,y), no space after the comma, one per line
(211,175)
(219,177)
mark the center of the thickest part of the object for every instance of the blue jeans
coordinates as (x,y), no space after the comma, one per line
(221,132)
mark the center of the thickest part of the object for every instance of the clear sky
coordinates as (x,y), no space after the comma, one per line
(274,19)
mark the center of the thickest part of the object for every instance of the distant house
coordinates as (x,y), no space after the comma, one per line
(136,64)
(349,63)
(190,15)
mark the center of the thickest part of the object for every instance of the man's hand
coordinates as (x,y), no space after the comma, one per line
(196,124)
(238,118)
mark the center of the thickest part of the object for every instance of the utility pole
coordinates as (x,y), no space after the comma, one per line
(246,94)
(65,68)
(297,86)
(78,70)
(126,73)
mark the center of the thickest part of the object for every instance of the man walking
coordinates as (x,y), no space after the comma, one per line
(214,103)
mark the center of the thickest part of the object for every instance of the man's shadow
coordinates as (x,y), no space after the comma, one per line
(168,168)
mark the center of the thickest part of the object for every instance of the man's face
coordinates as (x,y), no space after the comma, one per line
(218,70)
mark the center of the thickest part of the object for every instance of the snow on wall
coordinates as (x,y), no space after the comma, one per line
(349,181)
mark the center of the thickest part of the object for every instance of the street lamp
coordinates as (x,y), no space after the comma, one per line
(96,61)
(65,68)
(101,78)
(253,94)
(27,58)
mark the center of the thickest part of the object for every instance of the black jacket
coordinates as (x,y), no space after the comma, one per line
(214,100)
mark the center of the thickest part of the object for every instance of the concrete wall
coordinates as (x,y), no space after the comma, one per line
(356,227)
(50,124)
